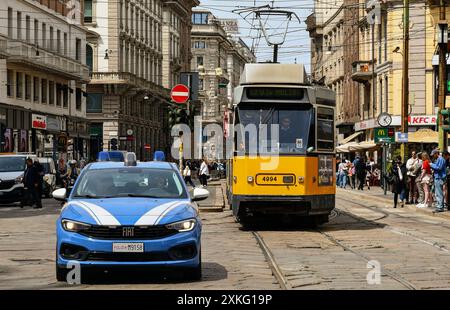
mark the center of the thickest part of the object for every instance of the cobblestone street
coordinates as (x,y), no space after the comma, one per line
(412,249)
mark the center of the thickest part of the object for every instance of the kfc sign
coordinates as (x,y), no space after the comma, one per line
(422,120)
(39,121)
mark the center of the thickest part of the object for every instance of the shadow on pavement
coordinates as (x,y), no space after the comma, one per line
(127,275)
(50,206)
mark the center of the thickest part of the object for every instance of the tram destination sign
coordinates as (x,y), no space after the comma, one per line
(275,93)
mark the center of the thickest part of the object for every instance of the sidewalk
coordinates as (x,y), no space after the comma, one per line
(377,194)
(216,200)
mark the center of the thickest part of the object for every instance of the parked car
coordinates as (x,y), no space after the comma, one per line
(12,168)
(49,184)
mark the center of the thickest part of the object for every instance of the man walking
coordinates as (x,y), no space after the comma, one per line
(411,167)
(31,182)
(440,176)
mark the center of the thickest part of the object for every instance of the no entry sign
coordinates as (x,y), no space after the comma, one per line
(180,93)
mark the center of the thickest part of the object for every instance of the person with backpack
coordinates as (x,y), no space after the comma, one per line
(398,181)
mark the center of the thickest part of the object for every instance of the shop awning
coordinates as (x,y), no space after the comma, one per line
(345,147)
(352,147)
(423,135)
(351,137)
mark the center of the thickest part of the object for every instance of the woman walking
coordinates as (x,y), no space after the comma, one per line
(399,181)
(204,173)
(187,174)
(426,181)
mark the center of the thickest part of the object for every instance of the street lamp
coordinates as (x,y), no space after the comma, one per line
(107,53)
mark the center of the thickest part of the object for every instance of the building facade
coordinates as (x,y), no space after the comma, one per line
(219,57)
(380,66)
(128,94)
(43,76)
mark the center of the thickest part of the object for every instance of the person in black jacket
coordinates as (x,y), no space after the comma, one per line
(399,177)
(31,181)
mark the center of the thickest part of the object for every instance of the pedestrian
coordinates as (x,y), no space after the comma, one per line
(41,172)
(447,191)
(343,170)
(361,172)
(187,174)
(351,174)
(411,167)
(418,173)
(440,178)
(398,173)
(426,181)
(204,173)
(31,183)
(61,173)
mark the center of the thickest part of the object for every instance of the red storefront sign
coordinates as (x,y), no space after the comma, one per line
(38,121)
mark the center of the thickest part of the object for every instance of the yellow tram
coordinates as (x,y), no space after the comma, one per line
(283,159)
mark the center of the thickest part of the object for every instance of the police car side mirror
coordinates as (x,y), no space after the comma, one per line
(60,194)
(199,194)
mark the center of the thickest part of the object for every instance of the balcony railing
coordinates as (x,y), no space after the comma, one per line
(128,79)
(17,51)
(362,71)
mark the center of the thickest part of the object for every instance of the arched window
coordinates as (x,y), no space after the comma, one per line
(89,57)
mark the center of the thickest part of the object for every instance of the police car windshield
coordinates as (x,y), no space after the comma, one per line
(129,182)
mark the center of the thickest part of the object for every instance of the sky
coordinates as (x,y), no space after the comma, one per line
(297,44)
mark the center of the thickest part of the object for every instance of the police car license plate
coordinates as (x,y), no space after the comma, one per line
(128,247)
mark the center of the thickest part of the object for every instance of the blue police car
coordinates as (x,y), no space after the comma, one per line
(129,214)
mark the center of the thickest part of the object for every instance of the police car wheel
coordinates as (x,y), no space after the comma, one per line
(61,273)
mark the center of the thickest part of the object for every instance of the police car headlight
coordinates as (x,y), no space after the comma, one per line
(186,225)
(74,226)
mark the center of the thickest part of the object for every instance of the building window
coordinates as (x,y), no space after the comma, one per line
(88,11)
(78,49)
(10,83)
(19,25)
(36,32)
(201,84)
(35,89)
(199,44)
(65,44)
(27,28)
(78,99)
(44,91)
(94,103)
(89,57)
(10,23)
(58,41)
(200,18)
(27,87)
(65,96)
(44,34)
(51,92)
(51,42)
(19,85)
(58,94)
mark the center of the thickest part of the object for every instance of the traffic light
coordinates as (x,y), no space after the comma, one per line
(445,119)
(114,142)
(178,115)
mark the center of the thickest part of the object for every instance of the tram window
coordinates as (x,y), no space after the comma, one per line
(256,136)
(325,129)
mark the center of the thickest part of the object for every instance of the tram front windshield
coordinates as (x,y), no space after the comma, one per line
(257,129)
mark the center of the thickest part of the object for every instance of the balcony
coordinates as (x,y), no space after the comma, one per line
(21,52)
(125,78)
(362,71)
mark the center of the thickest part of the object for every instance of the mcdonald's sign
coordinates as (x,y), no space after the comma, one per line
(384,135)
(62,143)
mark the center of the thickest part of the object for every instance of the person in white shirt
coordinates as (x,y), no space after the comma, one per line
(204,173)
(411,173)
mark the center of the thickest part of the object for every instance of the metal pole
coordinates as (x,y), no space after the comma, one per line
(374,90)
(384,169)
(405,88)
(275,53)
(442,78)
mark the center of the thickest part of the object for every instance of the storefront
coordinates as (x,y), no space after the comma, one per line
(78,138)
(15,130)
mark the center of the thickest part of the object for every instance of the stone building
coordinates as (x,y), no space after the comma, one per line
(128,93)
(219,57)
(43,76)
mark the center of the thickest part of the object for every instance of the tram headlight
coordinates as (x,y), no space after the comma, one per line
(250,179)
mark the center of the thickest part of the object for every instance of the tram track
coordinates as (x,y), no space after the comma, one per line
(282,278)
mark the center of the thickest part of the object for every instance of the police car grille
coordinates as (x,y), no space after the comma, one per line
(128,257)
(140,233)
(7,184)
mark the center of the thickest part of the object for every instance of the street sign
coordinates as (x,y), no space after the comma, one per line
(130,132)
(384,135)
(180,93)
(401,137)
